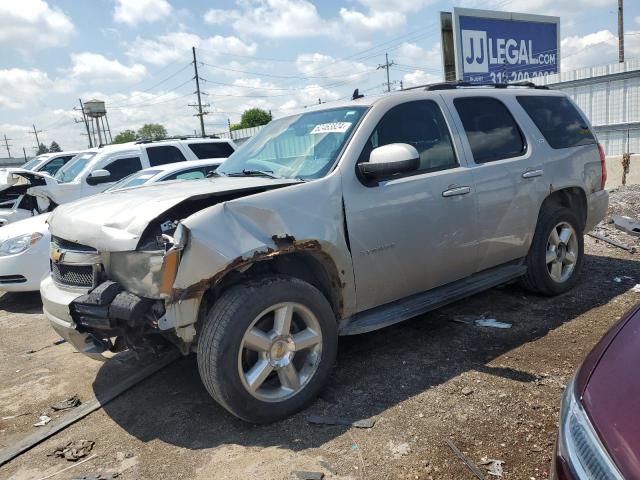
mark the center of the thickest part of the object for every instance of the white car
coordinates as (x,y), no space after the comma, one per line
(24,245)
(93,171)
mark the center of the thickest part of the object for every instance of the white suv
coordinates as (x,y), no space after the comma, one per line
(95,170)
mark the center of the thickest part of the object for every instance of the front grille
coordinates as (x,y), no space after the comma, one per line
(73,275)
(12,279)
(67,245)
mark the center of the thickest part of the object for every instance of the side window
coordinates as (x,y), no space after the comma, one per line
(193,174)
(164,154)
(122,167)
(211,150)
(491,130)
(54,165)
(558,120)
(420,124)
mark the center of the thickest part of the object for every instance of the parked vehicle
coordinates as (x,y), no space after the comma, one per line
(599,433)
(95,170)
(340,220)
(45,164)
(25,244)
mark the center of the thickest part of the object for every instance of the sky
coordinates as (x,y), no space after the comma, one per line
(279,55)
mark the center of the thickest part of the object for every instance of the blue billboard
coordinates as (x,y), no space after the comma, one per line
(501,47)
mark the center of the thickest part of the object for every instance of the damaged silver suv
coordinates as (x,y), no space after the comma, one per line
(336,221)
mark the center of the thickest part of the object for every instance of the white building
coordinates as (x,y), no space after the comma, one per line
(610,96)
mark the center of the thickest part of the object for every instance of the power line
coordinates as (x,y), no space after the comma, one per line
(386,65)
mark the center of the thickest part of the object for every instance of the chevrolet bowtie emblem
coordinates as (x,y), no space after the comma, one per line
(56,254)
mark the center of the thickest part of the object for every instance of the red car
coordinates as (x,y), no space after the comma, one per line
(599,434)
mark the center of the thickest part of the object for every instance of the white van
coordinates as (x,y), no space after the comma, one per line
(94,170)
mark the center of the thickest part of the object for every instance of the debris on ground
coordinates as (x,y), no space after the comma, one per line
(73,451)
(400,450)
(302,475)
(73,466)
(57,342)
(71,402)
(611,241)
(480,321)
(327,466)
(10,417)
(627,224)
(467,391)
(467,461)
(331,420)
(493,466)
(44,419)
(636,288)
(624,202)
(99,476)
(491,322)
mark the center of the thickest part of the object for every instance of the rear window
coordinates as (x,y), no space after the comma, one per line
(491,130)
(211,150)
(558,120)
(164,154)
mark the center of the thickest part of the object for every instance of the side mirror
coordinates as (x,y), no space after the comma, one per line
(99,176)
(389,160)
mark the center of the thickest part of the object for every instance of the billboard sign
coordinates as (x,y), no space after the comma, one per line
(503,47)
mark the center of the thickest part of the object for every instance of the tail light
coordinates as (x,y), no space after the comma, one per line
(603,167)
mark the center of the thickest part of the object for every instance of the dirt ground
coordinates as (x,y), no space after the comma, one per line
(493,392)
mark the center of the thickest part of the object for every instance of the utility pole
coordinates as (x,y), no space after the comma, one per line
(86,123)
(36,132)
(386,66)
(6,144)
(200,113)
(24,152)
(620,33)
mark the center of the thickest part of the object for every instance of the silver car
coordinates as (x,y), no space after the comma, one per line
(340,220)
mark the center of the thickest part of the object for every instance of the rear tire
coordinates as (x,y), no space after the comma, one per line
(555,258)
(267,347)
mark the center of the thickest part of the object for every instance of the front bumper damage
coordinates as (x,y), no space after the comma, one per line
(103,321)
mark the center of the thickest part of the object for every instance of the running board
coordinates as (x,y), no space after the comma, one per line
(401,310)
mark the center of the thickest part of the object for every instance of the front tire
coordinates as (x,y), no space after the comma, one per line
(267,347)
(555,258)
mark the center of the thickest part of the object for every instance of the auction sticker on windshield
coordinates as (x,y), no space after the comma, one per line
(336,127)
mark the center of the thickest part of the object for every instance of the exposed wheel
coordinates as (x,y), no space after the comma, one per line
(555,257)
(267,347)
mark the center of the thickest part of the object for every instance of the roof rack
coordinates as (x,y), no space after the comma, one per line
(178,137)
(459,84)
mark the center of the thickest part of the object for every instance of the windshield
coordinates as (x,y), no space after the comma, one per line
(33,163)
(133,180)
(300,146)
(73,168)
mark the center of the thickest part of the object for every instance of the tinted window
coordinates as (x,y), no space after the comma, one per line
(558,120)
(211,150)
(492,132)
(54,165)
(420,124)
(122,167)
(191,174)
(164,154)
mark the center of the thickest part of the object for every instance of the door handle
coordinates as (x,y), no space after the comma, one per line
(456,190)
(532,173)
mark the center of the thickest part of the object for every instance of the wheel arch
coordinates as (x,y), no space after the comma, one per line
(573,198)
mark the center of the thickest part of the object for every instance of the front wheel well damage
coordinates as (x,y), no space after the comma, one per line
(313,267)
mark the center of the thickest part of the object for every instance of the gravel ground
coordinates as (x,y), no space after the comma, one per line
(494,393)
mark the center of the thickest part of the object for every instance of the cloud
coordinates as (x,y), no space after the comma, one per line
(26,88)
(96,68)
(216,16)
(133,12)
(420,77)
(598,48)
(176,46)
(359,24)
(559,8)
(32,25)
(313,65)
(300,18)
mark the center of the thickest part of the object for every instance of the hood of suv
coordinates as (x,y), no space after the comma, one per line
(18,177)
(114,221)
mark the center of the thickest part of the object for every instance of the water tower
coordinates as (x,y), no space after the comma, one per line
(96,113)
